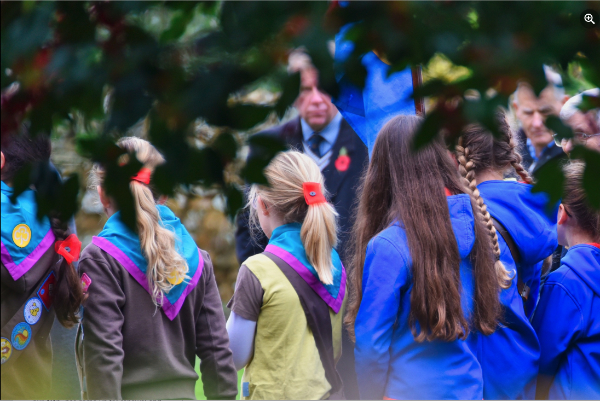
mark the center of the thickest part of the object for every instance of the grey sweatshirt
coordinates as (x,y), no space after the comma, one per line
(131,350)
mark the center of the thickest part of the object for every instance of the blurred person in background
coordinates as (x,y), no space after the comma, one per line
(535,139)
(321,133)
(586,126)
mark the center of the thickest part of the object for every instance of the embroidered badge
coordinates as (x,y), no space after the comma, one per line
(175,279)
(246,389)
(6,350)
(21,335)
(86,281)
(342,163)
(21,235)
(33,310)
(45,293)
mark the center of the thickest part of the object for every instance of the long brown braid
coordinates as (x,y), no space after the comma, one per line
(466,168)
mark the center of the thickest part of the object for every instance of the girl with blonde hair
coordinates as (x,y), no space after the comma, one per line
(286,320)
(153,303)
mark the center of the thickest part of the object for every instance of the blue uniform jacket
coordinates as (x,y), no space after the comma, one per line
(389,362)
(567,321)
(510,356)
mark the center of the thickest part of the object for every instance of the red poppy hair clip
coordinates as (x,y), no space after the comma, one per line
(143,176)
(69,248)
(312,193)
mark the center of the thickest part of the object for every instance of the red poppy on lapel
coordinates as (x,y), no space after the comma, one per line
(342,163)
(69,248)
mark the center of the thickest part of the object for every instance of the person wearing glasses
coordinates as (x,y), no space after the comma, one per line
(586,126)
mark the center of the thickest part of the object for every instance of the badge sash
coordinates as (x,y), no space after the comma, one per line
(32,317)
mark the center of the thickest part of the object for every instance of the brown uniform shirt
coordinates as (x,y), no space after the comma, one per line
(131,350)
(30,376)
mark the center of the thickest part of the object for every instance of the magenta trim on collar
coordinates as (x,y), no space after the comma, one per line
(171,310)
(17,271)
(334,303)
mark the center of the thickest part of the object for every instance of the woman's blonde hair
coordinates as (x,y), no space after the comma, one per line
(166,267)
(286,175)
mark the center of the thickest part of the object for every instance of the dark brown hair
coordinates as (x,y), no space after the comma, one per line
(478,151)
(401,184)
(575,200)
(20,149)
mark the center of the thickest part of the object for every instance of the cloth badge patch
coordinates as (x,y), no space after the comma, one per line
(6,350)
(86,281)
(246,389)
(21,235)
(45,293)
(33,310)
(21,335)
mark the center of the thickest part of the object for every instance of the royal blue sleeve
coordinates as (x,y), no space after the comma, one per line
(384,274)
(558,321)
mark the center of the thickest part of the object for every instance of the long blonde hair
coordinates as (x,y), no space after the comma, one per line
(166,267)
(286,175)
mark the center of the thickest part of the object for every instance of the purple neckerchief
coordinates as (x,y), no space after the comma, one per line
(334,303)
(171,310)
(17,271)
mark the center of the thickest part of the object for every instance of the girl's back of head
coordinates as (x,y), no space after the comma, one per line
(287,173)
(407,185)
(486,152)
(166,267)
(576,203)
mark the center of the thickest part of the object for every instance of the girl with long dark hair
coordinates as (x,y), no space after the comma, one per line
(523,232)
(424,274)
(39,281)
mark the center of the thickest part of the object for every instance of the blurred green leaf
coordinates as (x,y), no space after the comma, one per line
(550,179)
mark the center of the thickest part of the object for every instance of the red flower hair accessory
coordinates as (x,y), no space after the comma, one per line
(143,176)
(312,193)
(69,248)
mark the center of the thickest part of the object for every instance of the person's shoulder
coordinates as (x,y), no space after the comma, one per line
(391,239)
(565,280)
(282,130)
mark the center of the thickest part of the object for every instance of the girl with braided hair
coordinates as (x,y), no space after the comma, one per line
(424,279)
(523,235)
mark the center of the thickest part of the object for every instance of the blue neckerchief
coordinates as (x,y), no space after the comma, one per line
(117,233)
(19,260)
(287,237)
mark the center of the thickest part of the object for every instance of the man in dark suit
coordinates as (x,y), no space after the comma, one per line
(320,132)
(536,142)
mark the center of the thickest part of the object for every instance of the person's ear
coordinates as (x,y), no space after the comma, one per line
(105,200)
(515,106)
(263,207)
(3,160)
(562,215)
(564,99)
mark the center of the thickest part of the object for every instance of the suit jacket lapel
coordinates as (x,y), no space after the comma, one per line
(292,134)
(346,139)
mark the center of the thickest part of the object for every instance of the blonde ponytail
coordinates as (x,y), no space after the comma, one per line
(286,175)
(166,267)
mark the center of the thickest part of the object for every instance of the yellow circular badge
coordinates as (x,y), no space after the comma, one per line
(6,350)
(175,278)
(22,235)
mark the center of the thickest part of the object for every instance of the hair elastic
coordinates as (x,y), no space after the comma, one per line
(143,176)
(312,193)
(69,248)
